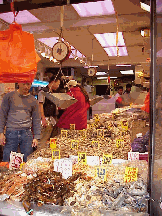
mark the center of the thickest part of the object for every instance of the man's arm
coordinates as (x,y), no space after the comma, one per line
(41,99)
(36,121)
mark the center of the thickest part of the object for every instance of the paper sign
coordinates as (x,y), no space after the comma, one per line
(107,159)
(96,117)
(64,166)
(22,166)
(55,154)
(101,173)
(15,160)
(82,133)
(100,133)
(72,126)
(119,143)
(53,143)
(133,156)
(91,126)
(93,160)
(95,144)
(74,159)
(124,125)
(130,174)
(63,133)
(74,144)
(82,158)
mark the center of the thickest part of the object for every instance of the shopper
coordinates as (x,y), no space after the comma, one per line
(76,113)
(19,113)
(128,89)
(126,97)
(118,99)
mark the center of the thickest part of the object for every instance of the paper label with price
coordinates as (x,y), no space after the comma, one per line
(133,156)
(130,174)
(72,126)
(55,154)
(53,142)
(119,143)
(100,133)
(93,160)
(101,172)
(82,158)
(95,144)
(63,133)
(96,117)
(107,159)
(64,166)
(74,144)
(124,125)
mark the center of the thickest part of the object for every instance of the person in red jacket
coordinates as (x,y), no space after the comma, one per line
(146,106)
(76,113)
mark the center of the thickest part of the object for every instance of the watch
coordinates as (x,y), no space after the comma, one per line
(60,51)
(92,71)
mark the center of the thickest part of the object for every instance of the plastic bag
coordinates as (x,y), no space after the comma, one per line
(18,59)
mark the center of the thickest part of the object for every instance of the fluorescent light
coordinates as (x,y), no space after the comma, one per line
(127,72)
(23,17)
(99,8)
(101,77)
(123,65)
(145,7)
(79,54)
(93,66)
(109,39)
(49,41)
(100,73)
(37,83)
(113,77)
(112,51)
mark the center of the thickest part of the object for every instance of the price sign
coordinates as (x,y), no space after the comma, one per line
(119,143)
(64,166)
(100,133)
(53,143)
(74,144)
(22,166)
(72,126)
(91,126)
(130,174)
(95,144)
(107,159)
(124,125)
(55,154)
(101,173)
(96,117)
(63,133)
(133,156)
(82,158)
(93,160)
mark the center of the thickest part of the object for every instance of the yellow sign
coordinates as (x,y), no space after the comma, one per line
(55,154)
(63,133)
(124,125)
(130,174)
(119,143)
(95,144)
(53,143)
(100,133)
(107,159)
(101,173)
(91,126)
(96,117)
(22,166)
(82,158)
(74,144)
(72,126)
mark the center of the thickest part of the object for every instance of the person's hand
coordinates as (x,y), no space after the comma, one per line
(44,122)
(35,143)
(2,139)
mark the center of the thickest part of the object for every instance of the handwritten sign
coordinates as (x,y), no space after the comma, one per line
(55,154)
(74,144)
(130,174)
(95,144)
(133,156)
(107,159)
(72,126)
(91,126)
(124,125)
(96,117)
(15,160)
(63,133)
(93,160)
(82,158)
(63,166)
(101,173)
(119,143)
(22,166)
(53,143)
(100,133)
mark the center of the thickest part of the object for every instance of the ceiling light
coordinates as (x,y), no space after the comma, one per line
(127,72)
(49,41)
(101,77)
(123,65)
(100,73)
(23,17)
(93,66)
(98,8)
(145,7)
(113,77)
(112,51)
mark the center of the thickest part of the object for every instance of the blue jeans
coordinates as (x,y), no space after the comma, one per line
(14,138)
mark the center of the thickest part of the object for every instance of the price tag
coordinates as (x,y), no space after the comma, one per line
(100,133)
(72,126)
(74,144)
(130,174)
(22,166)
(63,133)
(91,126)
(119,143)
(95,144)
(124,125)
(53,143)
(93,160)
(101,173)
(133,156)
(64,166)
(107,159)
(55,154)
(96,117)
(82,158)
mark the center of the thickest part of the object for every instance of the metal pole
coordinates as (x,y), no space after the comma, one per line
(152,99)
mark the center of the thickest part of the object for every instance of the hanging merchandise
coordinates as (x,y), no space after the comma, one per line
(18,59)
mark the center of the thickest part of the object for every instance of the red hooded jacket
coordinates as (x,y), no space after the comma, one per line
(76,113)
